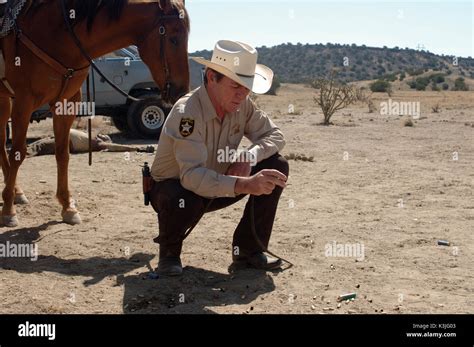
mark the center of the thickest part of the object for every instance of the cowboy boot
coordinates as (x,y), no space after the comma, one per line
(258,260)
(170,261)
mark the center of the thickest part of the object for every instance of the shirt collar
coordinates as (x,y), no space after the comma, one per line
(208,110)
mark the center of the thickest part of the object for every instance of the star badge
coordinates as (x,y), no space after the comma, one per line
(186,127)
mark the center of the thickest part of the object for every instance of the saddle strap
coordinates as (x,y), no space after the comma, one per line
(53,63)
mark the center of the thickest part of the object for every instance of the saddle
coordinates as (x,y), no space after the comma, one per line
(9,12)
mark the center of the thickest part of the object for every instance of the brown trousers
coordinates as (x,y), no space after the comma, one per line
(178,209)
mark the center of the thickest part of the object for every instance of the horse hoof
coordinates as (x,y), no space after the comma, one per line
(71,217)
(21,199)
(10,221)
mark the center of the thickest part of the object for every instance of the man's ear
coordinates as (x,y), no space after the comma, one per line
(210,75)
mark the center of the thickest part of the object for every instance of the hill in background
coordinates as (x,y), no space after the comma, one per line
(301,63)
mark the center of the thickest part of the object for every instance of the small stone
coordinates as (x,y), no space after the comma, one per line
(338,305)
(328,309)
(243,297)
(441,305)
(313,307)
(42,181)
(328,301)
(370,300)
(351,311)
(358,286)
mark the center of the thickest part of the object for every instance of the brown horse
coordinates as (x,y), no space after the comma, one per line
(158,28)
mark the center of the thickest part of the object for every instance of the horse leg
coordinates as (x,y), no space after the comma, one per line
(62,125)
(5,112)
(20,120)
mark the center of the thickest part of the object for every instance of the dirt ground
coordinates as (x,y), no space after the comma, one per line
(392,189)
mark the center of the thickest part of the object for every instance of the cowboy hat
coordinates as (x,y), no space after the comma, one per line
(238,61)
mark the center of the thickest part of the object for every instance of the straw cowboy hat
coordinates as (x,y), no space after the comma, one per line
(238,61)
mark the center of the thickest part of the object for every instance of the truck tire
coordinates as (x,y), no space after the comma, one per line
(120,122)
(145,118)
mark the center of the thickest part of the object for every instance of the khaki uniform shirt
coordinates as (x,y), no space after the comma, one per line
(194,140)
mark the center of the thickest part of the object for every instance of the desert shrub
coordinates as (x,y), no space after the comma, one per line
(437,78)
(421,83)
(434,87)
(380,86)
(460,84)
(333,96)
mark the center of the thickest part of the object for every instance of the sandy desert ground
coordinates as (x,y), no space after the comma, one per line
(393,189)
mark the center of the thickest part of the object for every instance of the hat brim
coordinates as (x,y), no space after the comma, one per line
(260,83)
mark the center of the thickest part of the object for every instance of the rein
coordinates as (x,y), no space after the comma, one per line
(69,73)
(162,31)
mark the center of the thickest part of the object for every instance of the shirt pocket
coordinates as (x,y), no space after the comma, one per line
(235,136)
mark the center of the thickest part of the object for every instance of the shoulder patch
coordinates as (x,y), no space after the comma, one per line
(186,126)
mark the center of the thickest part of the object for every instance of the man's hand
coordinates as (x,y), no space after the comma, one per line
(261,183)
(239,169)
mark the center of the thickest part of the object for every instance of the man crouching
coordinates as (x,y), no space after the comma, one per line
(192,173)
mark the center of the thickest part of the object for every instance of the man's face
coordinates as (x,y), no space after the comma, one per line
(229,94)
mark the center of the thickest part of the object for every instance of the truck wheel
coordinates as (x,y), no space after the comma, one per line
(120,122)
(145,118)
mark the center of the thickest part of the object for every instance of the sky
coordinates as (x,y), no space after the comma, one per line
(441,27)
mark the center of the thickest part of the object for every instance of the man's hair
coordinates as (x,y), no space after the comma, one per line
(219,76)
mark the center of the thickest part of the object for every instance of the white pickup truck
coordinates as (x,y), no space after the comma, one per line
(124,67)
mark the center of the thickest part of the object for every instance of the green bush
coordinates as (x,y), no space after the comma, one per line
(390,77)
(460,84)
(420,83)
(437,78)
(445,86)
(380,86)
(402,76)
